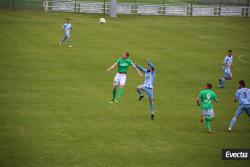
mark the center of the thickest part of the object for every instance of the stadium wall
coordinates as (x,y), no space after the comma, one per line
(180,9)
(238,8)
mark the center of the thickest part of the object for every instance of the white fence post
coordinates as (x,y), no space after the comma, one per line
(112,10)
(115,8)
(45,6)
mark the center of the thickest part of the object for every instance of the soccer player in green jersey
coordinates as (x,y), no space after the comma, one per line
(205,100)
(120,78)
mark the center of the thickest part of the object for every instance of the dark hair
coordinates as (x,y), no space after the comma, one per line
(127,54)
(229,50)
(68,19)
(209,85)
(242,83)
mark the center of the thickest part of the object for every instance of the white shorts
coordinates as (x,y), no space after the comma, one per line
(120,79)
(209,112)
(241,109)
(227,73)
(67,35)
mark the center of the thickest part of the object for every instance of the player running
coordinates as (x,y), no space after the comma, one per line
(227,65)
(120,78)
(243,97)
(205,99)
(148,84)
(67,27)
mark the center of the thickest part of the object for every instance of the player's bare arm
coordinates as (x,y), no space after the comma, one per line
(111,67)
(137,70)
(198,102)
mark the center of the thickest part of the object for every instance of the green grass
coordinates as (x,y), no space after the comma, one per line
(54,108)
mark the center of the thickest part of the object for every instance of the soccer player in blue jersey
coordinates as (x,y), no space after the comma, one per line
(243,97)
(227,66)
(148,84)
(67,27)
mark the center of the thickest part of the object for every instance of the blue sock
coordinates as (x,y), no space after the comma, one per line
(62,40)
(151,106)
(223,80)
(233,121)
(68,41)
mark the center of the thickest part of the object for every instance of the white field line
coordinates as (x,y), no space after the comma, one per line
(243,47)
(240,58)
(239,45)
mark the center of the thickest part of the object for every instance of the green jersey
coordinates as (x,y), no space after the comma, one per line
(206,98)
(123,65)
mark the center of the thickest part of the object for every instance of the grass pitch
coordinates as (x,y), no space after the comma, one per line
(54,102)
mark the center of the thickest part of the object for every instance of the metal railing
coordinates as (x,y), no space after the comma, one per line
(139,7)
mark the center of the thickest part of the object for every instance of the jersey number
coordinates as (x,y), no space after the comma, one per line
(245,94)
(208,96)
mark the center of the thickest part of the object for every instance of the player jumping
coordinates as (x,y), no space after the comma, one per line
(227,65)
(67,27)
(120,78)
(205,99)
(148,84)
(243,97)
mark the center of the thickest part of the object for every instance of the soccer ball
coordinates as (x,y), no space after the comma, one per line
(102,21)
